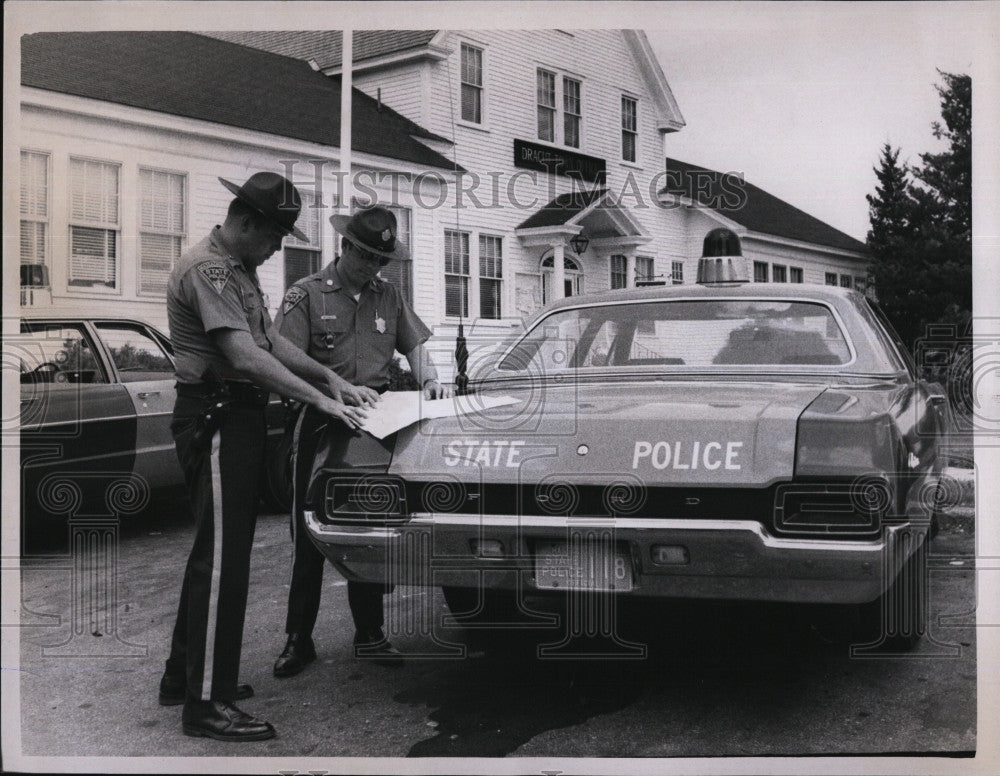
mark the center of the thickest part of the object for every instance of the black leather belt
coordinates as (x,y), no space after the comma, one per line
(239,391)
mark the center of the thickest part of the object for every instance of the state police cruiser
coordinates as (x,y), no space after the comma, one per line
(350,320)
(228,357)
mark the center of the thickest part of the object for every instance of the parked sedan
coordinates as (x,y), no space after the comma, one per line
(96,401)
(728,441)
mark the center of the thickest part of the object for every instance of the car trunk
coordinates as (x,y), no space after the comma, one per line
(665,433)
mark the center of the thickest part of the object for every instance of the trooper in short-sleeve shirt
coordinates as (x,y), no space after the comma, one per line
(227,359)
(353,322)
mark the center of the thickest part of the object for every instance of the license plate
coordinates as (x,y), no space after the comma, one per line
(585,565)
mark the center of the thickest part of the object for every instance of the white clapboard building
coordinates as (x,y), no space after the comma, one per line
(522,166)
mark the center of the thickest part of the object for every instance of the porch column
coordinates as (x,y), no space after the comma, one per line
(558,272)
(630,269)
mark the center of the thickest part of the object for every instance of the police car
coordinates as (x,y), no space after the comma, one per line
(725,440)
(97,398)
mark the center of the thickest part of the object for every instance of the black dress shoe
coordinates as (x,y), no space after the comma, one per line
(172,691)
(298,653)
(223,722)
(374,646)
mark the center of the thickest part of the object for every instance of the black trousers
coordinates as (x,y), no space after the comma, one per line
(222,478)
(365,599)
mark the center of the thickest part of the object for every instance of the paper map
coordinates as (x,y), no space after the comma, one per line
(398,409)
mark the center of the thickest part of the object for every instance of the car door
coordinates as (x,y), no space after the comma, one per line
(146,370)
(76,425)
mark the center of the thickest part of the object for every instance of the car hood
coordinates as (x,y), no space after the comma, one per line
(658,433)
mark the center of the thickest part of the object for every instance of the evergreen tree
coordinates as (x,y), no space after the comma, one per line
(943,193)
(921,235)
(890,239)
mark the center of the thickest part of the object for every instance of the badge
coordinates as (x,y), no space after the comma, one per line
(217,273)
(293,296)
(379,323)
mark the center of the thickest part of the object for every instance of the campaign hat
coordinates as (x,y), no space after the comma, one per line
(273,196)
(372,229)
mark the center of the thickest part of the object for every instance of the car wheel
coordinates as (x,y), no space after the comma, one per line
(277,487)
(897,620)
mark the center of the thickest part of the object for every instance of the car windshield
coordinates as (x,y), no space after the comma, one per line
(702,333)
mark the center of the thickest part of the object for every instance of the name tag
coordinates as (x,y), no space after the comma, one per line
(328,317)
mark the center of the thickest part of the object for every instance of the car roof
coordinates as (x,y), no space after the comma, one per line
(811,291)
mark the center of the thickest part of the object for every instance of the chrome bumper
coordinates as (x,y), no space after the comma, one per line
(725,559)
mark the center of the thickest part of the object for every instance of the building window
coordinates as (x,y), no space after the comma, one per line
(490,275)
(94,223)
(644,269)
(860,284)
(456,273)
(795,274)
(779,273)
(304,257)
(162,230)
(831,278)
(546,99)
(472,84)
(399,272)
(300,263)
(677,273)
(572,112)
(630,126)
(619,278)
(34,207)
(845,281)
(760,272)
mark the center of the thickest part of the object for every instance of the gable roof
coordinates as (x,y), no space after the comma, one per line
(324,47)
(375,47)
(760,212)
(562,209)
(191,75)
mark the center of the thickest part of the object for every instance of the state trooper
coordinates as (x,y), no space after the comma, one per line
(353,322)
(228,358)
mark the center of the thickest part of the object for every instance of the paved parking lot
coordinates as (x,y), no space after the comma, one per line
(714,682)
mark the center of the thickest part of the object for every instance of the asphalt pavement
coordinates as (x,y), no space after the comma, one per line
(711,681)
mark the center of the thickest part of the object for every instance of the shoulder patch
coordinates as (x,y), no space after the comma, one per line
(216,272)
(293,296)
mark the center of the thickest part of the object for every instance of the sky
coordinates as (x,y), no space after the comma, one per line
(801,98)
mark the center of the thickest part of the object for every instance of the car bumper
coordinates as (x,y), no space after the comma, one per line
(719,559)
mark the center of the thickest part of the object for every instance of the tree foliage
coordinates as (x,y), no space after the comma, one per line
(921,224)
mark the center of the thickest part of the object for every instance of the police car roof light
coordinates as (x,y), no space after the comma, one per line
(722,259)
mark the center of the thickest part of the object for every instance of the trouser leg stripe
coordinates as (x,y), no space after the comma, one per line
(213,596)
(296,433)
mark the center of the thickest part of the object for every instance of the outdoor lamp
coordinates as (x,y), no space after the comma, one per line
(579,243)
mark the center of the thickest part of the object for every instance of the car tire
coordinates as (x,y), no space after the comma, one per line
(277,486)
(897,620)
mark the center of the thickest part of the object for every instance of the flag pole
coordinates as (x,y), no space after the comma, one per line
(346,86)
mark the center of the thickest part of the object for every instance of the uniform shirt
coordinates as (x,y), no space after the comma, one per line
(209,290)
(355,338)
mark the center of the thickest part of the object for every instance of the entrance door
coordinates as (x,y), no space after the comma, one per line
(573,282)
